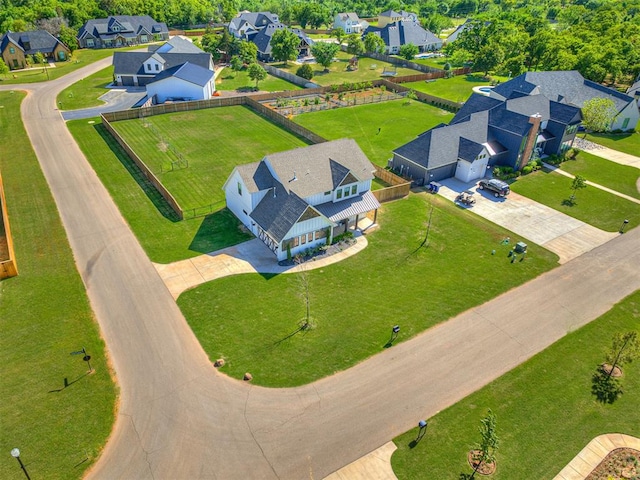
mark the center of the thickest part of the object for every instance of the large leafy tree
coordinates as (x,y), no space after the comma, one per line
(248,52)
(598,114)
(284,45)
(355,45)
(324,52)
(408,51)
(373,43)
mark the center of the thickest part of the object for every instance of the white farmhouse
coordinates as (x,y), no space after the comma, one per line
(182,82)
(350,22)
(301,198)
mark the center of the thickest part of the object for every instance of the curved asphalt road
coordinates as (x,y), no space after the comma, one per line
(178,418)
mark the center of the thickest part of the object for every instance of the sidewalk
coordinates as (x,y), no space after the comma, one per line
(595,451)
(559,170)
(252,256)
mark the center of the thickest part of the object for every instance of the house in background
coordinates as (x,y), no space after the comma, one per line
(120,31)
(183,82)
(15,46)
(245,24)
(404,32)
(389,16)
(453,36)
(487,132)
(302,198)
(571,88)
(140,68)
(260,27)
(350,22)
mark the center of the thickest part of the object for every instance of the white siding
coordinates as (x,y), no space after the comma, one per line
(238,204)
(176,88)
(630,112)
(304,228)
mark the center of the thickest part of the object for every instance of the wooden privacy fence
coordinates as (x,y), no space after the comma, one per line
(289,77)
(8,267)
(399,186)
(149,175)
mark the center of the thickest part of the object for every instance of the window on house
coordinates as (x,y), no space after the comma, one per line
(239,189)
(310,237)
(327,193)
(148,67)
(143,38)
(12,50)
(90,42)
(338,194)
(625,124)
(157,67)
(303,239)
(346,191)
(354,190)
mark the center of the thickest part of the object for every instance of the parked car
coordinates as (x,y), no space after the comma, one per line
(498,187)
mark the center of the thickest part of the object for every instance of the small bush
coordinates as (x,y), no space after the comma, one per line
(305,71)
(527,169)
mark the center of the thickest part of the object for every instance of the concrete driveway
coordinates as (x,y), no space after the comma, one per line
(563,235)
(120,98)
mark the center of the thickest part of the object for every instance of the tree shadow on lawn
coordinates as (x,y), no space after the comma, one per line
(147,187)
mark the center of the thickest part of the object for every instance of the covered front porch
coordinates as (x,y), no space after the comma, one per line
(351,212)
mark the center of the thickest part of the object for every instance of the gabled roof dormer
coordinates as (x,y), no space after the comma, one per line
(114,26)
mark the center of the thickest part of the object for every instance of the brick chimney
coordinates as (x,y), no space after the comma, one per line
(535,121)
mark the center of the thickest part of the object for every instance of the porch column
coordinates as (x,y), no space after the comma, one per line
(375,216)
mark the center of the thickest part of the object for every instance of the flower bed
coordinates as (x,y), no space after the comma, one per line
(621,463)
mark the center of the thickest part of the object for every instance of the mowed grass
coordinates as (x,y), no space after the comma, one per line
(163,237)
(252,321)
(368,69)
(229,79)
(457,89)
(81,58)
(592,205)
(45,315)
(212,140)
(623,142)
(621,178)
(398,122)
(545,410)
(86,92)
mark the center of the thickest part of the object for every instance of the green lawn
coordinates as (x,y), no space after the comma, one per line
(163,237)
(85,93)
(45,315)
(592,205)
(212,140)
(457,89)
(81,58)
(621,178)
(398,124)
(231,80)
(623,142)
(545,410)
(251,320)
(369,69)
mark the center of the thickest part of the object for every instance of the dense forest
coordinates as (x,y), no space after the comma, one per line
(600,38)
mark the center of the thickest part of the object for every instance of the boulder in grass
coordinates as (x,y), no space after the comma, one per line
(247,377)
(219,363)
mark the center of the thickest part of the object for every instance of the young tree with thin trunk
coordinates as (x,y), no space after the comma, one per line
(625,348)
(4,69)
(257,73)
(578,183)
(485,449)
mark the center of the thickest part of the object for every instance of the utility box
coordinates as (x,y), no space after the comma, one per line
(521,247)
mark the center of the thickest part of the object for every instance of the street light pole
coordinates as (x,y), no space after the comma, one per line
(15,453)
(624,224)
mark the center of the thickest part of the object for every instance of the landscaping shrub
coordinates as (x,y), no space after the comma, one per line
(527,169)
(305,71)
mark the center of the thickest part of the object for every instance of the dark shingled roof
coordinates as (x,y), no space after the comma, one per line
(256,176)
(132,63)
(469,150)
(256,19)
(277,214)
(37,41)
(310,170)
(475,103)
(568,87)
(188,72)
(132,25)
(405,32)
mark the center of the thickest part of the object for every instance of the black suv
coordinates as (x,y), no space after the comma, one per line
(498,187)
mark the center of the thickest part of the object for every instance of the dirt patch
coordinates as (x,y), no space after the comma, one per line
(606,368)
(620,464)
(162,146)
(481,468)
